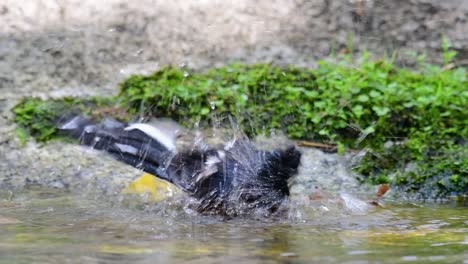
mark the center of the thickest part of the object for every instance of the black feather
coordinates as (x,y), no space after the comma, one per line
(229,181)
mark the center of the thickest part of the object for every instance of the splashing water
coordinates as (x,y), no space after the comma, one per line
(53,226)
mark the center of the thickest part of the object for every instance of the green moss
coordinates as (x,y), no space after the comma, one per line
(442,175)
(422,111)
(38,118)
(254,94)
(403,116)
(336,102)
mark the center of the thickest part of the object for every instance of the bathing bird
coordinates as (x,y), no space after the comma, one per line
(232,179)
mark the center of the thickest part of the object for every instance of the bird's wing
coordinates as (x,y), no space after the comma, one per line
(140,145)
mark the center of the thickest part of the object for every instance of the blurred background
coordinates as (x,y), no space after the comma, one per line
(54,46)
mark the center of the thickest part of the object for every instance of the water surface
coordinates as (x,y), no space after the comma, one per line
(52,226)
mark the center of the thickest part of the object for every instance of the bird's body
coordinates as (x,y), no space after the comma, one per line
(233,179)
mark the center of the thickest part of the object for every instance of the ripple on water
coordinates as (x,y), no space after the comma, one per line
(56,227)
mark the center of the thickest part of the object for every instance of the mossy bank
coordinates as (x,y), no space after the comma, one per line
(411,123)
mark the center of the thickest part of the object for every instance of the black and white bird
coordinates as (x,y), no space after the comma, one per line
(233,179)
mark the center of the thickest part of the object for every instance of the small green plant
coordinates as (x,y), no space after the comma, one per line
(38,118)
(448,53)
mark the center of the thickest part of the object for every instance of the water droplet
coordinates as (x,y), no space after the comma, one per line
(186,74)
(324,208)
(288,254)
(409,258)
(138,52)
(212,105)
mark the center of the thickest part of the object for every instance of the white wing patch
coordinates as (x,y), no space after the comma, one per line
(210,166)
(211,161)
(155,133)
(221,154)
(229,145)
(127,148)
(206,173)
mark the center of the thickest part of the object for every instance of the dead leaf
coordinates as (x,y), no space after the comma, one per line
(383,188)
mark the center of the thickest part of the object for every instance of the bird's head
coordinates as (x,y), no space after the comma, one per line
(260,178)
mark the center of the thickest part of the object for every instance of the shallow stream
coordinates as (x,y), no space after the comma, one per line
(42,225)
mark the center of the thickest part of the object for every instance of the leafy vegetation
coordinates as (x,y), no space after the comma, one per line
(413,122)
(38,118)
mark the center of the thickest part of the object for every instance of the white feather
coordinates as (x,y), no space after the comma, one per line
(206,173)
(155,133)
(210,166)
(212,160)
(127,148)
(221,154)
(229,145)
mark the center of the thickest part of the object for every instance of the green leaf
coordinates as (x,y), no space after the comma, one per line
(204,111)
(340,148)
(363,98)
(358,110)
(324,132)
(374,94)
(381,110)
(369,130)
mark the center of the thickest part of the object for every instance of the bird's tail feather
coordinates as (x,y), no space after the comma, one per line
(140,145)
